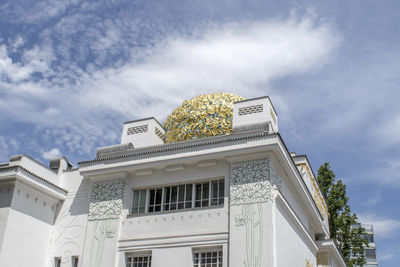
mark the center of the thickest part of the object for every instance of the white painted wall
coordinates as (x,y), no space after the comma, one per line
(292,246)
(70,228)
(3,224)
(38,169)
(177,257)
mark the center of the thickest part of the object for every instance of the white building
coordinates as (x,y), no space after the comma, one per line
(239,199)
(370,250)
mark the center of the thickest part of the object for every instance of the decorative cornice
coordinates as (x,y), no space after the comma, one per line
(183,145)
(15,169)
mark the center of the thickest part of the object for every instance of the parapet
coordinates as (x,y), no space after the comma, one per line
(143,133)
(254,114)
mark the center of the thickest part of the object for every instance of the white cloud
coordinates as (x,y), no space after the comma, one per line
(384,228)
(240,58)
(51,154)
(390,129)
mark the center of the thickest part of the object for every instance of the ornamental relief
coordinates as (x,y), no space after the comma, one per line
(317,196)
(252,182)
(106,200)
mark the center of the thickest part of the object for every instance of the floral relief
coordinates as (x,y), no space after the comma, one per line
(106,200)
(252,182)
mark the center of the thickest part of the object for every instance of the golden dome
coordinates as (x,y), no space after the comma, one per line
(202,116)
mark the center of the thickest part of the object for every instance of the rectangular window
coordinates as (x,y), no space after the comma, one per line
(57,262)
(211,257)
(370,253)
(369,238)
(138,261)
(155,200)
(139,201)
(202,194)
(217,192)
(176,197)
(75,261)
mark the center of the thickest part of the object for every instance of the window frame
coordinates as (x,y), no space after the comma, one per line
(210,249)
(138,255)
(220,199)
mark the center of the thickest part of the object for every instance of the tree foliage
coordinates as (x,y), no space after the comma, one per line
(341,218)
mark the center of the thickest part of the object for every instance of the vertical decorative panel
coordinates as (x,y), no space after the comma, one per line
(105,207)
(252,185)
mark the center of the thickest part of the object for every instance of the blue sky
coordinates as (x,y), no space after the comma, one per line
(71,72)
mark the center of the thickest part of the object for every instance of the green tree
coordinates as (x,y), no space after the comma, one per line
(341,218)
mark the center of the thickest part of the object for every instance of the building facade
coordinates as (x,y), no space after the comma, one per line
(215,186)
(370,250)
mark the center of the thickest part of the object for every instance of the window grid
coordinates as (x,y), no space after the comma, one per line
(138,261)
(175,197)
(155,202)
(139,201)
(209,258)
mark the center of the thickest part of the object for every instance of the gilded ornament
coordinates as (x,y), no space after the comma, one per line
(202,116)
(318,198)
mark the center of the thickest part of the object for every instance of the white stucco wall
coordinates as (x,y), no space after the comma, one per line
(6,193)
(70,228)
(292,246)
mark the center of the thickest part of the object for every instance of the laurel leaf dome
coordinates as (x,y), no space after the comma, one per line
(202,116)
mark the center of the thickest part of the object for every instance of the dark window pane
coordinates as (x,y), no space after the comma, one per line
(189,190)
(152,196)
(214,189)
(174,193)
(221,188)
(167,195)
(198,191)
(158,196)
(181,193)
(206,188)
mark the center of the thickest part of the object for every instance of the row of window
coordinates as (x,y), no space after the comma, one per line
(175,197)
(368,252)
(211,257)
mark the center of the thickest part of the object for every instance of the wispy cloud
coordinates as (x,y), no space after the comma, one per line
(239,57)
(384,228)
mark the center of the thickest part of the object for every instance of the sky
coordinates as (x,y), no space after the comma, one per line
(72,71)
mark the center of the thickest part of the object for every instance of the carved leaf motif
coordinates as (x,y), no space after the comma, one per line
(106,200)
(251,182)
